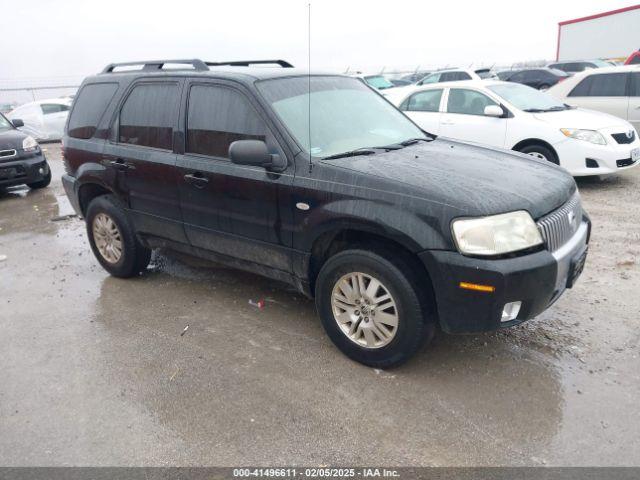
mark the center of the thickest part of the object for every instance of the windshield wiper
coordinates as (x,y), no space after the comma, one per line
(351,153)
(413,141)
(557,108)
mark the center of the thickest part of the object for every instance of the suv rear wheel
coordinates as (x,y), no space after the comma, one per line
(371,309)
(113,240)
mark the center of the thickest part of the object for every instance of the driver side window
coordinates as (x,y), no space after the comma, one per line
(467,102)
(427,101)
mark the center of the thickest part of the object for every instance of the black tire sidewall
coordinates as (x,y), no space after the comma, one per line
(412,328)
(129,264)
(550,156)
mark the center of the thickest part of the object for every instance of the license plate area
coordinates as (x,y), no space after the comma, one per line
(577,266)
(635,155)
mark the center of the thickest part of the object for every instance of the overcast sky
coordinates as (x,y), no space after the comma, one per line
(59,38)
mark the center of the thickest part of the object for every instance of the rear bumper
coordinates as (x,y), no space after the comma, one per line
(537,280)
(70,185)
(23,170)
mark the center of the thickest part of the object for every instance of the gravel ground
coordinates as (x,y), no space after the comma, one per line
(95,371)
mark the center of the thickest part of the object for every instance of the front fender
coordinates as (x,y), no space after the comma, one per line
(401,225)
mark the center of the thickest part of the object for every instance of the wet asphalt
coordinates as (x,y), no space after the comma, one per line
(94,370)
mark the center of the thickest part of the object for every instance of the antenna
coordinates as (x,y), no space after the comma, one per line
(309,85)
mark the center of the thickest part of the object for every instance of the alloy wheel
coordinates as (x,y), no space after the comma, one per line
(365,310)
(107,238)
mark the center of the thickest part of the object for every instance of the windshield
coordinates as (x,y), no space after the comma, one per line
(527,98)
(4,123)
(378,82)
(345,114)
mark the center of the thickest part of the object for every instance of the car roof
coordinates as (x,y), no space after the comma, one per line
(611,69)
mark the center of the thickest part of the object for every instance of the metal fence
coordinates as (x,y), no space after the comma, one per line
(16,91)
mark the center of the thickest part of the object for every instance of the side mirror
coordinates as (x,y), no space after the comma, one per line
(254,152)
(493,111)
(17,123)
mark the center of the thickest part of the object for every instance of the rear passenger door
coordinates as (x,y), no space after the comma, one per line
(634,101)
(604,92)
(140,153)
(230,209)
(424,109)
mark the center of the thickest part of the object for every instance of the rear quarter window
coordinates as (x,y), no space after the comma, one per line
(88,108)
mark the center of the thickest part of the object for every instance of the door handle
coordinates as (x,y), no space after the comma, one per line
(196,179)
(121,165)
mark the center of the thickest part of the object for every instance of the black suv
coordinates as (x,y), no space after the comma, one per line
(21,159)
(540,78)
(318,181)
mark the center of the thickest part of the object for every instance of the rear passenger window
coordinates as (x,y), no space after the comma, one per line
(88,108)
(602,85)
(217,117)
(427,101)
(148,116)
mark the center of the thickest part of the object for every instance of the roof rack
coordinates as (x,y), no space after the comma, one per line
(199,65)
(246,63)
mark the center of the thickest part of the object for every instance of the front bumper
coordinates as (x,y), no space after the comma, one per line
(21,171)
(537,280)
(576,155)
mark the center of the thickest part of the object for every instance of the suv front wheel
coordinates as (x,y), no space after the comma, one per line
(371,308)
(113,240)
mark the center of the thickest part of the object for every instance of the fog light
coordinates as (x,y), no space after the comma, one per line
(41,171)
(510,311)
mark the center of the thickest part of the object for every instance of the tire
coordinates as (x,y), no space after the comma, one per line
(415,320)
(541,152)
(104,214)
(42,183)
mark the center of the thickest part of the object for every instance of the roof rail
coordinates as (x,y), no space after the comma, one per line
(157,64)
(246,63)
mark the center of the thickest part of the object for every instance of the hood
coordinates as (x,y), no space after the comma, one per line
(11,139)
(475,180)
(580,118)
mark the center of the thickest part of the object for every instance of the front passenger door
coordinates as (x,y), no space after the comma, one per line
(230,209)
(464,118)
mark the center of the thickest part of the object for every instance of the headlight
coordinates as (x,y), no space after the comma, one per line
(590,136)
(29,144)
(497,234)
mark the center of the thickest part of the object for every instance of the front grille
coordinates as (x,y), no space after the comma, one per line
(7,154)
(623,138)
(624,163)
(559,226)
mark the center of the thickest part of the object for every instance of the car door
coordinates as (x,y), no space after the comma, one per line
(231,209)
(464,118)
(633,114)
(140,152)
(424,109)
(604,92)
(54,116)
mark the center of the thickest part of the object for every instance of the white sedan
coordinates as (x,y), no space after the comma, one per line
(517,117)
(44,119)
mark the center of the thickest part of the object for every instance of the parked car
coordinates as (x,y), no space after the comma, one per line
(43,119)
(517,117)
(391,230)
(6,107)
(613,90)
(633,59)
(486,73)
(449,75)
(379,82)
(21,159)
(416,76)
(400,82)
(576,66)
(539,78)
